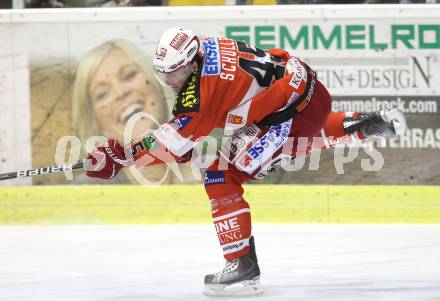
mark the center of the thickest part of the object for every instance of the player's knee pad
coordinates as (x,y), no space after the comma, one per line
(232,221)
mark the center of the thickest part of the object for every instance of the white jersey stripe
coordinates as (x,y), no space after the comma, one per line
(244,210)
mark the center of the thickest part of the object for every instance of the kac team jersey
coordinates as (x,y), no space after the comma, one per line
(230,90)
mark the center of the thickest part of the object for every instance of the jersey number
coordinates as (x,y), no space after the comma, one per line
(263,73)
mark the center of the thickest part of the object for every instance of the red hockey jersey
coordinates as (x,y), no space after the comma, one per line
(236,85)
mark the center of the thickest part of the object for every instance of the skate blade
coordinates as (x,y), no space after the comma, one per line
(244,288)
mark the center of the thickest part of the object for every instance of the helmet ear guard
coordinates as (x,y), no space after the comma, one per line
(198,57)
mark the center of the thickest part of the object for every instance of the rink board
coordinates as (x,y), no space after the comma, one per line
(188,204)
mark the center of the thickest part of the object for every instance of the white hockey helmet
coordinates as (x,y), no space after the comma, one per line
(176,50)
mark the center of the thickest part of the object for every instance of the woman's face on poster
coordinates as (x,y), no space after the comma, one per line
(118,90)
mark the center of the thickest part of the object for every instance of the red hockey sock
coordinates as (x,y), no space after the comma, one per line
(334,126)
(232,220)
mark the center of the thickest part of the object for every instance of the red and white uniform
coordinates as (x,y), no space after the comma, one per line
(237,87)
(231,91)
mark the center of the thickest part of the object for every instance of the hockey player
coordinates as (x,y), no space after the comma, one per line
(269,100)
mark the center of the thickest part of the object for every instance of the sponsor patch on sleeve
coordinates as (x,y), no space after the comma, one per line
(180,123)
(235,119)
(145,144)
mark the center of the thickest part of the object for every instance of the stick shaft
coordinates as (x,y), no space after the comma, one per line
(40,171)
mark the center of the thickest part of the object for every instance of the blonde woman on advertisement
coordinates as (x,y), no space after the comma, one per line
(113,82)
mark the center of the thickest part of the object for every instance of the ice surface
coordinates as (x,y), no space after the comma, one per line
(168,262)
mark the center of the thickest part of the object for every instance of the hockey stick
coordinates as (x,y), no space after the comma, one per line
(41,171)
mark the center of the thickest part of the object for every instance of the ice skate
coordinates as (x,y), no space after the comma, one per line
(240,277)
(385,124)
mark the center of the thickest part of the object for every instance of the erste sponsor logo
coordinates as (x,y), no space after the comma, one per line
(212,57)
